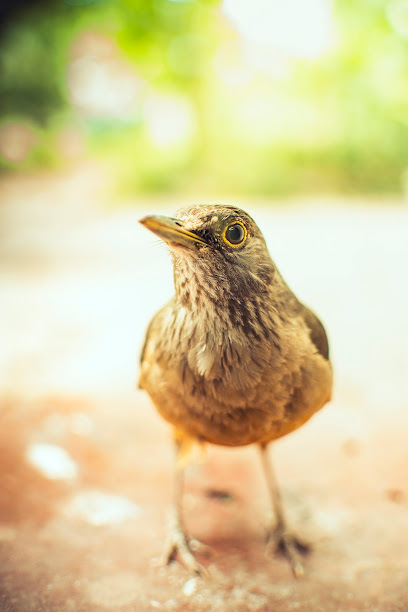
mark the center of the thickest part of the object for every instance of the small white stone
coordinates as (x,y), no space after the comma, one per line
(155,604)
(190,587)
(52,461)
(98,508)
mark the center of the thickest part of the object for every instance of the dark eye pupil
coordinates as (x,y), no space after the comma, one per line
(235,233)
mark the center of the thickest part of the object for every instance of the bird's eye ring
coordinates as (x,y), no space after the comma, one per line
(235,234)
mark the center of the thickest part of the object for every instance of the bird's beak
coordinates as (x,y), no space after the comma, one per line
(171,231)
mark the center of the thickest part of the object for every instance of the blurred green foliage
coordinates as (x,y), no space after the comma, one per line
(337,122)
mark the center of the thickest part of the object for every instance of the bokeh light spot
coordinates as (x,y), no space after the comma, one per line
(170,120)
(397,13)
(298,28)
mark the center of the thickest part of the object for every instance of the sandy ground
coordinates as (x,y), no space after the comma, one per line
(86,463)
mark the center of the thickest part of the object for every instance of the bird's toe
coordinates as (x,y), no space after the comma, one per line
(290,546)
(179,546)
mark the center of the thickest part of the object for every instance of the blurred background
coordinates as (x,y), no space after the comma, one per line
(209,96)
(296,111)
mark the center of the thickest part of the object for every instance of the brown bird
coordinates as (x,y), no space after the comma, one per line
(233,358)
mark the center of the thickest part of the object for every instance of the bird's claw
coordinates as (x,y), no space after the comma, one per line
(290,546)
(179,545)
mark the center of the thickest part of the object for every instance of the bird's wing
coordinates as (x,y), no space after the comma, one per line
(317,332)
(152,333)
(143,351)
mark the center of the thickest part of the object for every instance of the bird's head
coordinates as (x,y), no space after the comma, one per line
(218,246)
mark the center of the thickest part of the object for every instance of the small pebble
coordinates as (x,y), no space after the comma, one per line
(190,587)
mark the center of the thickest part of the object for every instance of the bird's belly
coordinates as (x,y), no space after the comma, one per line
(230,425)
(231,417)
(236,427)
(240,427)
(230,429)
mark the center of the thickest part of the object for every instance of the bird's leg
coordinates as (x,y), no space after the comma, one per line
(177,541)
(286,543)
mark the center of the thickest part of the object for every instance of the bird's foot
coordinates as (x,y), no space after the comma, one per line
(179,545)
(279,540)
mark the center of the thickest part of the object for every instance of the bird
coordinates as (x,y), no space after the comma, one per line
(234,358)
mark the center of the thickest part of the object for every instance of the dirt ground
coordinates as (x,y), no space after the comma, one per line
(85,466)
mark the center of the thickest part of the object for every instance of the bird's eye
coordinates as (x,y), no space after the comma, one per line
(235,234)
